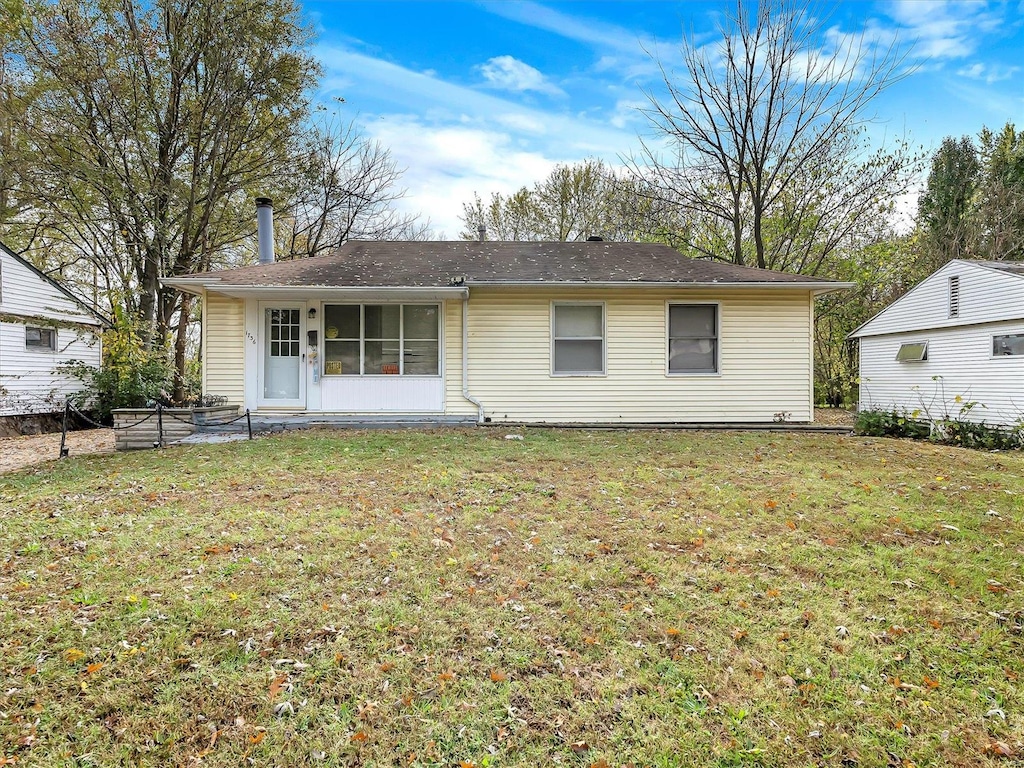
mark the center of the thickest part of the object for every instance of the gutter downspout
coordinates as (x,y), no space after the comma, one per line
(465,361)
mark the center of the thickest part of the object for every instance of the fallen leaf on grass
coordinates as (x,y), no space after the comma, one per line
(92,668)
(930,683)
(359,737)
(497,676)
(579,747)
(277,685)
(258,737)
(998,749)
(74,654)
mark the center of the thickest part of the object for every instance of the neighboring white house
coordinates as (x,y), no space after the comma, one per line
(956,338)
(42,325)
(587,332)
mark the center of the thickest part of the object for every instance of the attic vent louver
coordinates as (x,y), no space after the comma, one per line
(954,296)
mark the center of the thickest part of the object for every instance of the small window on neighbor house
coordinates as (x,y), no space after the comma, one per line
(954,296)
(913,353)
(577,339)
(693,338)
(1009,344)
(40,338)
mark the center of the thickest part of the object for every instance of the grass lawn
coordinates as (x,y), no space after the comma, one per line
(455,598)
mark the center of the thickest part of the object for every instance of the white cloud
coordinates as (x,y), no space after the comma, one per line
(446,165)
(510,74)
(946,30)
(990,73)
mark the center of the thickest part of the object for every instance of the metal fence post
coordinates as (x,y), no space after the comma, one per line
(159,426)
(64,431)
(248,422)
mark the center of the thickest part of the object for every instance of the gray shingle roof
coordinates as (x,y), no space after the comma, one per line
(438,263)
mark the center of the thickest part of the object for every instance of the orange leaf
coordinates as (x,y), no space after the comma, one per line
(936,624)
(602,763)
(94,668)
(930,683)
(772,593)
(277,685)
(359,737)
(387,666)
(627,606)
(998,748)
(791,525)
(498,676)
(739,634)
(464,764)
(445,677)
(73,655)
(771,504)
(672,632)
(257,737)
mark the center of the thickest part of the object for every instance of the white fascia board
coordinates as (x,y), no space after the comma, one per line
(816,287)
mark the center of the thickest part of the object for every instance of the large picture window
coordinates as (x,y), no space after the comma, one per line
(693,338)
(381,339)
(577,339)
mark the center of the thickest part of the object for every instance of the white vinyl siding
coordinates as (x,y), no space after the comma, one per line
(984,295)
(224,341)
(960,363)
(765,358)
(29,379)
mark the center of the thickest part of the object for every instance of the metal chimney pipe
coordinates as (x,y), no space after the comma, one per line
(481,232)
(265,229)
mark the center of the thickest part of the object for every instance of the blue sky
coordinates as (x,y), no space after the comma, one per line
(489,96)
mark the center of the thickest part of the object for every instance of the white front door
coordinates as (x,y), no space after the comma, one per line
(282,364)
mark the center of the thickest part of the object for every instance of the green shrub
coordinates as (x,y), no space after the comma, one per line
(958,431)
(130,377)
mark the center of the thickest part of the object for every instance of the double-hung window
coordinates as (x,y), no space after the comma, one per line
(692,338)
(577,339)
(376,339)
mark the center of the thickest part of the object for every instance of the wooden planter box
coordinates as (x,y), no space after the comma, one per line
(136,428)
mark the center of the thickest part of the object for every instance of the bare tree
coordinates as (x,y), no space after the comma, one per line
(346,187)
(766,152)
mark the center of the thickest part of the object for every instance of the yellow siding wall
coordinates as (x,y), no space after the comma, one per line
(765,359)
(224,348)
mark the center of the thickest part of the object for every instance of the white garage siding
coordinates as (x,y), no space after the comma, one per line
(29,381)
(960,363)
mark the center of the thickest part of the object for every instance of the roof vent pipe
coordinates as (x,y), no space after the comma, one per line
(595,239)
(265,229)
(481,232)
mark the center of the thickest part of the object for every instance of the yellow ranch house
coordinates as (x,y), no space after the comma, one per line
(528,332)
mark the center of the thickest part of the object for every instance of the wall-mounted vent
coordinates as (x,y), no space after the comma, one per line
(915,352)
(954,296)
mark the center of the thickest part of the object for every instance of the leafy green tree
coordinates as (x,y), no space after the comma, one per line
(946,209)
(1000,196)
(575,201)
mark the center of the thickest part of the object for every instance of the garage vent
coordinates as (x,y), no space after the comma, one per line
(954,296)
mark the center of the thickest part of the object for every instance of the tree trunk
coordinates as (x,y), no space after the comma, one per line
(180,347)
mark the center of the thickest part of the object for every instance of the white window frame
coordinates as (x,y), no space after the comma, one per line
(401,338)
(52,347)
(718,338)
(552,340)
(992,346)
(924,352)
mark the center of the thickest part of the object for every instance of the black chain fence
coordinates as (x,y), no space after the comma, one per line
(158,413)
